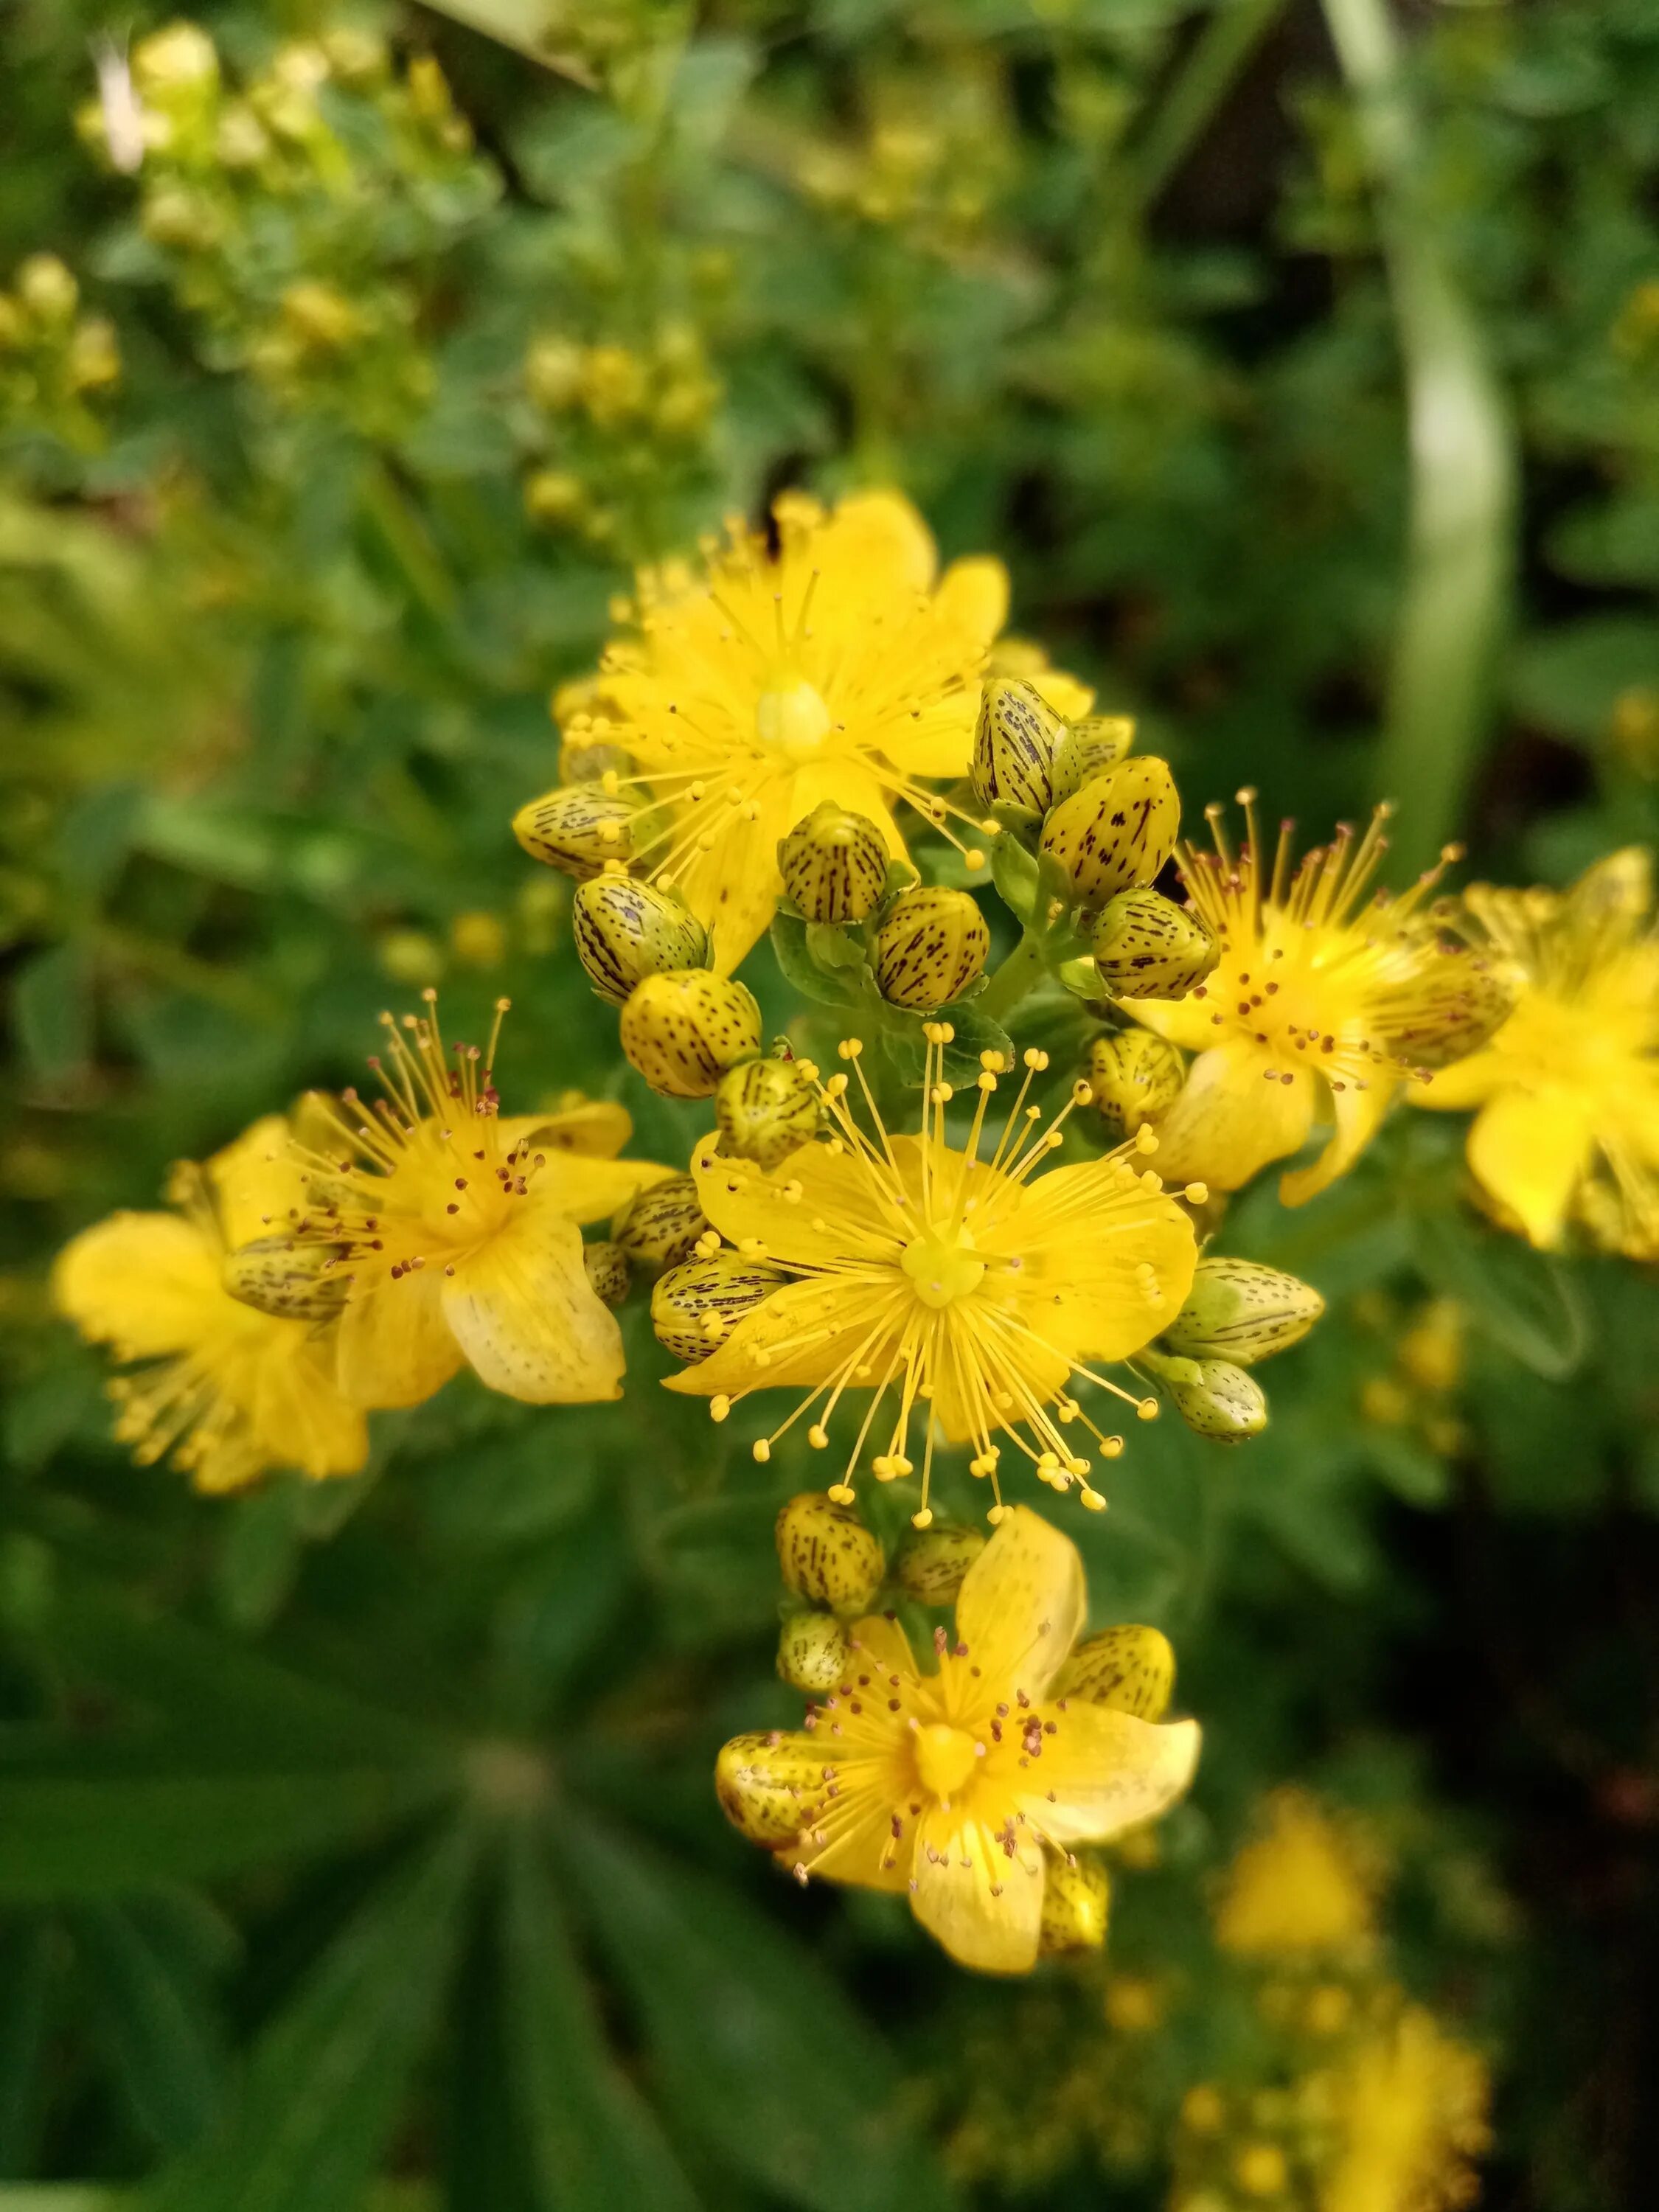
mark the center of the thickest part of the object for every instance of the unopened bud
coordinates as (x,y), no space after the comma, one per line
(607,1271)
(1014,743)
(683,1029)
(1238,1309)
(1217,1399)
(834,864)
(626,930)
(1077,1904)
(933,1562)
(1118,831)
(695,1304)
(660,1225)
(930,948)
(769,1785)
(1132,1669)
(1135,1076)
(292,1281)
(1146,946)
(1088,749)
(828,1555)
(576,829)
(766,1109)
(812,1652)
(46,288)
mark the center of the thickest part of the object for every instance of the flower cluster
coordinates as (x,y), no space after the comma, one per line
(54,360)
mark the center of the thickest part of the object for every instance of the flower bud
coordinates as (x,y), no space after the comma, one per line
(1014,743)
(294,1282)
(46,288)
(1238,1309)
(683,1029)
(834,864)
(1131,1668)
(1135,1076)
(766,1109)
(1077,1905)
(607,1271)
(576,829)
(1088,747)
(828,1555)
(1218,1400)
(1118,831)
(812,1652)
(694,1304)
(626,930)
(930,948)
(1146,946)
(180,57)
(660,1225)
(769,1785)
(931,1562)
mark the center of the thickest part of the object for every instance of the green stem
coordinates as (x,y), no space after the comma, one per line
(1013,979)
(1204,81)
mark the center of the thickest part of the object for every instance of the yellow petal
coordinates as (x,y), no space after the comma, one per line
(256,1181)
(750,1207)
(982,1902)
(144,1283)
(1102,1770)
(1529,1151)
(598,1129)
(1466,1082)
(799,1337)
(300,1415)
(1088,1243)
(525,1314)
(851,1837)
(974,593)
(1022,1607)
(1189,1022)
(587,1190)
(844,783)
(1070,699)
(733,889)
(881,1646)
(1239,1110)
(876,541)
(393,1347)
(1358,1110)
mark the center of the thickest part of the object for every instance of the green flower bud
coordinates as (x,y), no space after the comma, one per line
(1088,747)
(766,1109)
(1132,1669)
(683,1029)
(1014,743)
(1118,831)
(931,1562)
(834,864)
(660,1225)
(626,930)
(1135,1076)
(1238,1309)
(694,1304)
(769,1786)
(812,1652)
(607,1271)
(1146,946)
(294,1282)
(1077,1905)
(577,828)
(828,1555)
(1216,1399)
(930,948)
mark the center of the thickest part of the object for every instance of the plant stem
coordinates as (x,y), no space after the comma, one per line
(1013,979)
(1206,77)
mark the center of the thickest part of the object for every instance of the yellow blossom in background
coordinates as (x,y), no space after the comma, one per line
(961,1295)
(1567,1093)
(1302,1885)
(1410,2108)
(229,1391)
(840,666)
(1322,1000)
(956,1786)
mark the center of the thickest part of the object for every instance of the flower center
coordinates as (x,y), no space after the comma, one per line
(943,1265)
(791,718)
(945,1758)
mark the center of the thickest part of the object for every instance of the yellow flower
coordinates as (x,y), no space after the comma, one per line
(955,1785)
(458,1230)
(1567,1092)
(1302,1885)
(963,1293)
(228,1390)
(1318,998)
(839,666)
(1411,2112)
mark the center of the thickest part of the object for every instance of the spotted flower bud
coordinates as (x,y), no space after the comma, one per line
(769,1785)
(1077,1905)
(933,1561)
(626,930)
(694,1304)
(1014,743)
(1131,1668)
(766,1109)
(683,1029)
(293,1281)
(1088,747)
(827,1554)
(1146,946)
(1118,831)
(1216,1399)
(812,1652)
(1135,1076)
(660,1225)
(834,864)
(576,829)
(607,1271)
(1238,1310)
(930,948)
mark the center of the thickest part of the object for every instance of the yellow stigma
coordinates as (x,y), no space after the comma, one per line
(945,1757)
(943,1265)
(792,719)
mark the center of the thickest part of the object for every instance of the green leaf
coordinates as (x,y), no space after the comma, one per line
(155,2015)
(906,1048)
(791,936)
(1521,1299)
(52,1005)
(25,1976)
(1014,872)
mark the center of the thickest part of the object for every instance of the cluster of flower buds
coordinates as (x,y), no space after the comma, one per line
(52,358)
(1237,1313)
(928,167)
